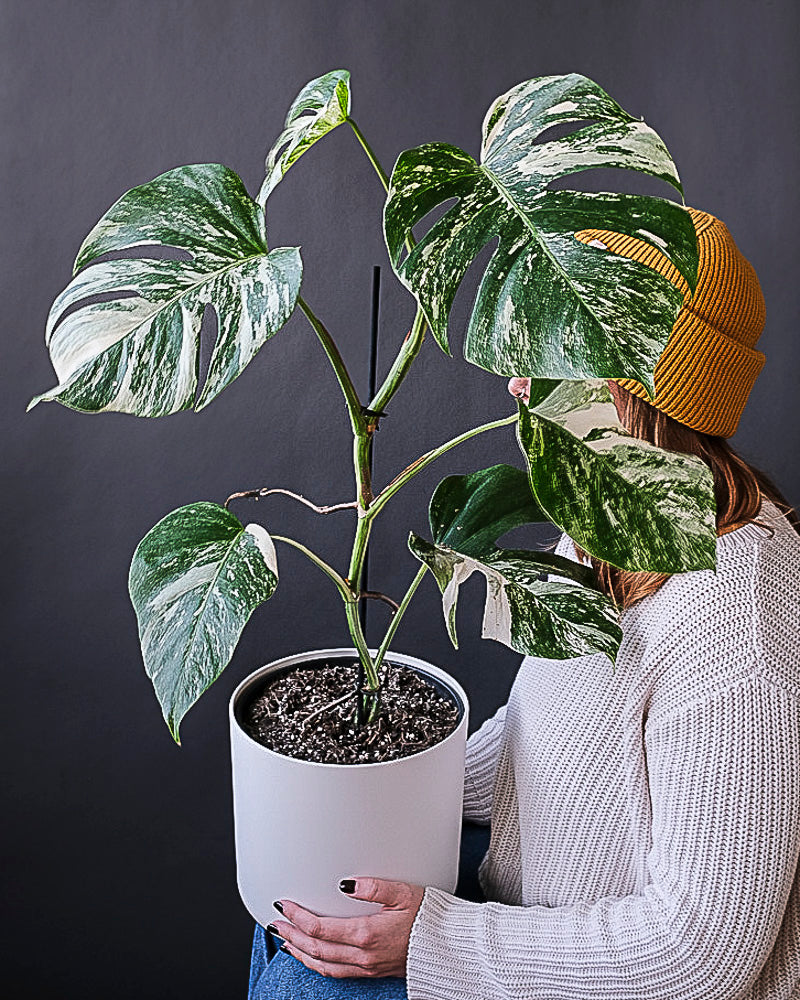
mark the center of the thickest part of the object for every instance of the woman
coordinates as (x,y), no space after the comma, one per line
(645,821)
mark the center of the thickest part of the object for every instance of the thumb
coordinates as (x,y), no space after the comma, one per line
(378,890)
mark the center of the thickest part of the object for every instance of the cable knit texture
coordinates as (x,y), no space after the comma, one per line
(645,818)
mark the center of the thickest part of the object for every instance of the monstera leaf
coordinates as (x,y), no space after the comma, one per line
(195,579)
(555,618)
(548,305)
(320,106)
(138,351)
(621,499)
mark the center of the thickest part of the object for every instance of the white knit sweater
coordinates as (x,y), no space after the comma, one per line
(645,819)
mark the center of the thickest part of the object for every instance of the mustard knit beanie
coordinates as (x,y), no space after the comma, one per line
(708,367)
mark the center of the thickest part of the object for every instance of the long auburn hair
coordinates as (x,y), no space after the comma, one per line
(738,488)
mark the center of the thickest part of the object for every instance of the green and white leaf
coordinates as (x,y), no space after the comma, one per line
(195,579)
(139,351)
(553,618)
(621,499)
(469,513)
(548,305)
(322,105)
(203,208)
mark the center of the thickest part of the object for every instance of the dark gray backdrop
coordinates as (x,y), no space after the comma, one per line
(118,845)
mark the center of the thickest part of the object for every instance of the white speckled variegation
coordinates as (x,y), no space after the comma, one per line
(321,106)
(139,352)
(621,499)
(548,306)
(195,579)
(538,617)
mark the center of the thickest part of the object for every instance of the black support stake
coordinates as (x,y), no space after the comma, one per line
(373,387)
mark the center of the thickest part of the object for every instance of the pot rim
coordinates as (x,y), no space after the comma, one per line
(295,659)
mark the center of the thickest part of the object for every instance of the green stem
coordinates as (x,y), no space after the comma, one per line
(348,596)
(360,541)
(361,443)
(373,159)
(384,177)
(357,635)
(396,618)
(425,460)
(405,357)
(354,573)
(413,342)
(339,367)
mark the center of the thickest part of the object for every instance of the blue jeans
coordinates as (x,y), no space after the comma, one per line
(274,975)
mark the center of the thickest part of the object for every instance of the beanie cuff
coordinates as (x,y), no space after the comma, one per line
(703,378)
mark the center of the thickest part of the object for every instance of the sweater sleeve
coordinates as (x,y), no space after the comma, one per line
(483,751)
(725,789)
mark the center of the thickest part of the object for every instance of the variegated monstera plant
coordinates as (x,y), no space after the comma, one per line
(124,335)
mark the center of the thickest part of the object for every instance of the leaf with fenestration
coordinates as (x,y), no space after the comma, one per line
(548,305)
(621,499)
(322,105)
(138,352)
(556,618)
(195,579)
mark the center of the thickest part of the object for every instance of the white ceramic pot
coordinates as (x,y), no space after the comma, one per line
(301,827)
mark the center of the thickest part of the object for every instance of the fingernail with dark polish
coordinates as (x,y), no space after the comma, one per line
(348,885)
(273,929)
(278,906)
(284,948)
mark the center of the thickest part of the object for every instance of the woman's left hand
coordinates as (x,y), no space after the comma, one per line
(371,945)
